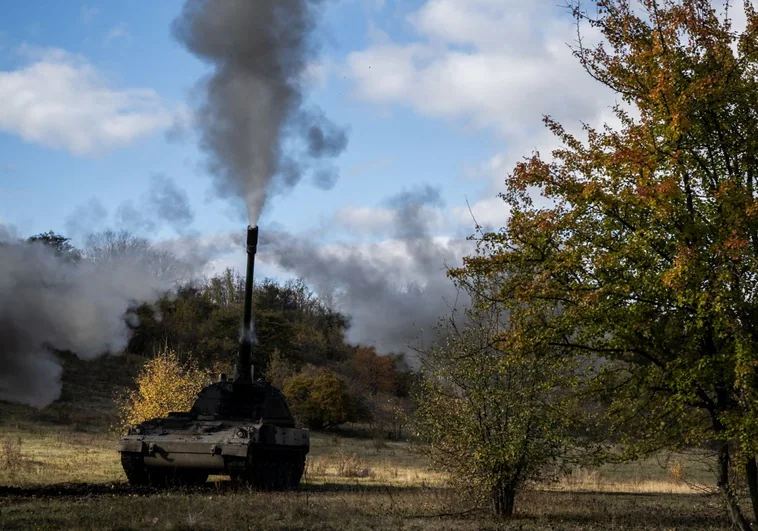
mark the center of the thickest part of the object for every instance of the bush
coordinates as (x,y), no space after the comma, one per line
(322,401)
(164,384)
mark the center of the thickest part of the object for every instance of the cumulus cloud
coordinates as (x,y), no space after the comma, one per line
(498,64)
(494,65)
(60,100)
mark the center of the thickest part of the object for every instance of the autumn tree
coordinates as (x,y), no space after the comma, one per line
(494,409)
(643,259)
(164,384)
(373,372)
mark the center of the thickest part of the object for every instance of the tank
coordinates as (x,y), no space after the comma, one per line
(237,426)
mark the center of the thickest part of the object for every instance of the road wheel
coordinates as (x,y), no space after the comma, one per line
(297,469)
(160,477)
(135,470)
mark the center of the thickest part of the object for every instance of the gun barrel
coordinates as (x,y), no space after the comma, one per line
(244,358)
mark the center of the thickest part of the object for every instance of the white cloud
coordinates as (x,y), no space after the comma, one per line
(60,100)
(498,64)
(490,213)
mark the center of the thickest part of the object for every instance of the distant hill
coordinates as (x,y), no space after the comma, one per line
(86,400)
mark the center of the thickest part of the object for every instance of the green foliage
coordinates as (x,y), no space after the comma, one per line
(60,245)
(494,410)
(204,320)
(294,328)
(642,260)
(322,401)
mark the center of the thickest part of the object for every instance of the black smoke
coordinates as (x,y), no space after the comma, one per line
(253,103)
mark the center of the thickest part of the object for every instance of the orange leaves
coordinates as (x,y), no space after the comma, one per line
(374,372)
(734,246)
(532,172)
(751,209)
(675,278)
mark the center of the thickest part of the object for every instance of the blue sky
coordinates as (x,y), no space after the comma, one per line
(442,92)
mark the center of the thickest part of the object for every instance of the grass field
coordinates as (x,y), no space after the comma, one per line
(55,477)
(59,469)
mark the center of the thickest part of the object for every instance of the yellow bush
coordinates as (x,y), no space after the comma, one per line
(164,384)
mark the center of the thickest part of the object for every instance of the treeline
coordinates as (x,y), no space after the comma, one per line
(301,348)
(301,345)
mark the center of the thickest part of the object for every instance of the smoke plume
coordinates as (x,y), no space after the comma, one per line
(253,101)
(394,292)
(52,301)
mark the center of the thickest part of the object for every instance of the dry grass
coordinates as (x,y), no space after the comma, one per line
(350,483)
(57,455)
(367,463)
(342,507)
(33,455)
(663,474)
(66,462)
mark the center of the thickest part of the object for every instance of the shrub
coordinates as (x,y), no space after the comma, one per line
(321,401)
(163,385)
(351,466)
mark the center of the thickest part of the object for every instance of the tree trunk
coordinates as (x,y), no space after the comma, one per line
(751,472)
(723,483)
(503,499)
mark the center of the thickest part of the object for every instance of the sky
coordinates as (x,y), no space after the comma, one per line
(97,105)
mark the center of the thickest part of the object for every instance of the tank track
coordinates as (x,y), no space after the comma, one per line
(264,470)
(272,470)
(139,475)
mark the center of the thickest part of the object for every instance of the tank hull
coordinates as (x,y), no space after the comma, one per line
(267,456)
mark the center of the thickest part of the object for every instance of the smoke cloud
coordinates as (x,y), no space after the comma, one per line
(394,292)
(170,203)
(253,100)
(50,301)
(164,203)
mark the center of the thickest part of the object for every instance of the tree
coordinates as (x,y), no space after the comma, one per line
(321,401)
(645,261)
(493,409)
(374,372)
(60,245)
(116,248)
(164,384)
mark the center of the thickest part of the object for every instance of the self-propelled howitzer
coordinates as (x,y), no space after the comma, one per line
(238,427)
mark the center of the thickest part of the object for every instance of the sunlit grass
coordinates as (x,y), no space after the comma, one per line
(349,483)
(43,455)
